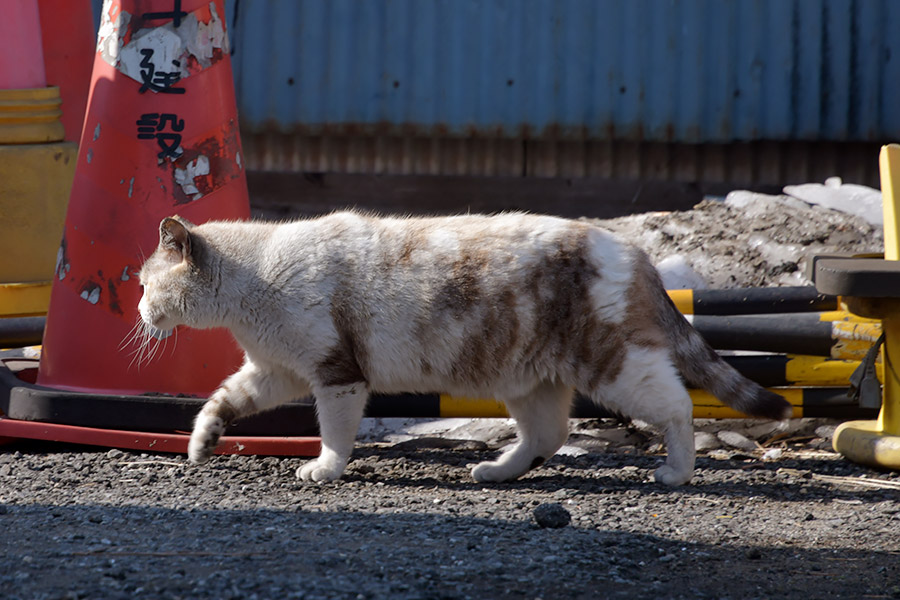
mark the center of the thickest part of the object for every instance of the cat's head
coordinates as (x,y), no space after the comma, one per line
(172,278)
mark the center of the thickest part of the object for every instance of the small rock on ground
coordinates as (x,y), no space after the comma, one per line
(552,515)
(736,440)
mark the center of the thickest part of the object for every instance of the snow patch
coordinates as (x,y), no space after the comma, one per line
(850,198)
(678,274)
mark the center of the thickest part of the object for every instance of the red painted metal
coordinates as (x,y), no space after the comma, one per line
(155,442)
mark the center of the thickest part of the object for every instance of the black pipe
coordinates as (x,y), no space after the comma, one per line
(801,333)
(763,300)
(21,331)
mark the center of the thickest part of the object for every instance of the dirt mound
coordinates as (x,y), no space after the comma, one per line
(748,239)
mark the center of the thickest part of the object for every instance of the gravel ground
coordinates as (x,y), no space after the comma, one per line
(767,515)
(407,521)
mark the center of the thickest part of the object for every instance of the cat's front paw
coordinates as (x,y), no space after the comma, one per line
(205,438)
(320,471)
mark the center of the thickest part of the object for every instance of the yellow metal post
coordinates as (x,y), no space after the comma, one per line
(877,443)
(889,163)
(889,418)
(36,172)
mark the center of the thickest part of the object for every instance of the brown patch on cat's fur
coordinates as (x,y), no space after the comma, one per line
(461,291)
(414,240)
(483,353)
(644,298)
(560,289)
(601,348)
(223,409)
(243,398)
(498,332)
(345,363)
(339,368)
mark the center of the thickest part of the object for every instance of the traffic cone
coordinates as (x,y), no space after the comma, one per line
(160,137)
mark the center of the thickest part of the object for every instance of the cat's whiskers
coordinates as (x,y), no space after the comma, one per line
(141,349)
(133,334)
(137,339)
(135,355)
(154,347)
(154,341)
(147,345)
(174,342)
(161,346)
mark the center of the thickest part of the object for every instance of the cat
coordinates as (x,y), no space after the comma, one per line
(519,307)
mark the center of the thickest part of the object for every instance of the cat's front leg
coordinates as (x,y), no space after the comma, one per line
(253,388)
(340,410)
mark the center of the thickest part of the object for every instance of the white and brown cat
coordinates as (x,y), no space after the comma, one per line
(522,308)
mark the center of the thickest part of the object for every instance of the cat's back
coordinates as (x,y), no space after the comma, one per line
(356,236)
(495,252)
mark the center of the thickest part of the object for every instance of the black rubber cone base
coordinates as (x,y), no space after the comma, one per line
(23,400)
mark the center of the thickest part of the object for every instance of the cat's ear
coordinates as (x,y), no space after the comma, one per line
(175,236)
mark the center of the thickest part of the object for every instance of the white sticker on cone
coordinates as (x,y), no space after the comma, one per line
(159,57)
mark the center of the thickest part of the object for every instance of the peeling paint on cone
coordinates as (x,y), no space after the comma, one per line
(188,48)
(185,177)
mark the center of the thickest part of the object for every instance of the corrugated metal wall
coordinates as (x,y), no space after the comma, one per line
(613,88)
(756,163)
(652,70)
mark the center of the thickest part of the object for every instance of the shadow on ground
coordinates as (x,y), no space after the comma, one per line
(103,551)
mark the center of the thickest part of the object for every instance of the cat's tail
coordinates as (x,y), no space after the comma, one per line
(703,368)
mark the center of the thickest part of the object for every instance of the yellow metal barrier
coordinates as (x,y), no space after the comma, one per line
(877,443)
(24,299)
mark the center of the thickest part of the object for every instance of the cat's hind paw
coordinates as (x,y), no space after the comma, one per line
(320,471)
(670,476)
(493,472)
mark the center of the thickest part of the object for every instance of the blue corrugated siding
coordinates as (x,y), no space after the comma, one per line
(659,70)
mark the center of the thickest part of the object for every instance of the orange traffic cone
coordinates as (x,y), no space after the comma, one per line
(160,137)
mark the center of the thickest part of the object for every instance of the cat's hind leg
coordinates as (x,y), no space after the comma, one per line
(252,389)
(650,389)
(340,410)
(542,418)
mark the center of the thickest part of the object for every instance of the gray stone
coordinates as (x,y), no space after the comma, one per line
(736,440)
(826,431)
(704,440)
(552,515)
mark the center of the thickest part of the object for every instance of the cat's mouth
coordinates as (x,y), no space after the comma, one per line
(160,334)
(157,327)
